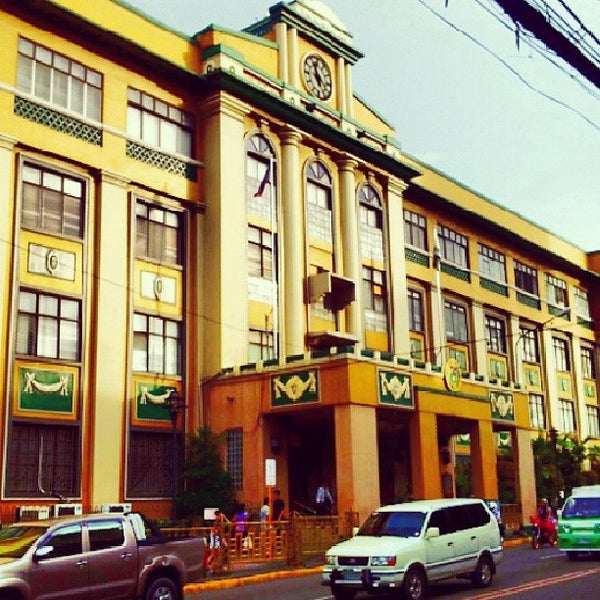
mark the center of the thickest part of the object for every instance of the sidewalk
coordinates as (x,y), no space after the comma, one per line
(243,574)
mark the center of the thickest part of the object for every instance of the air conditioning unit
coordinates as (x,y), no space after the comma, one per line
(123,507)
(61,510)
(32,513)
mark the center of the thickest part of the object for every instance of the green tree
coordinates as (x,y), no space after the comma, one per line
(205,481)
(559,465)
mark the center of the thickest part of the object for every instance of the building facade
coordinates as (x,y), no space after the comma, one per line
(218,231)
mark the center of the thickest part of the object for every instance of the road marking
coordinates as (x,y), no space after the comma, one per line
(536,584)
(557,555)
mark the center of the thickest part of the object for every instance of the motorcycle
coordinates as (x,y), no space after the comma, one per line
(544,531)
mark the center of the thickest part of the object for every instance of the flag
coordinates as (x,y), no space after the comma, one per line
(264,181)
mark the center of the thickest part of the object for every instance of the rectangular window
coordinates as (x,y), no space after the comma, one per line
(582,303)
(415,230)
(588,368)
(59,80)
(492,264)
(319,213)
(454,247)
(235,457)
(48,326)
(593,418)
(566,415)
(528,339)
(260,253)
(557,291)
(55,448)
(156,345)
(105,534)
(52,202)
(495,333)
(159,124)
(526,278)
(456,322)
(561,354)
(374,290)
(149,450)
(415,311)
(260,345)
(537,412)
(158,234)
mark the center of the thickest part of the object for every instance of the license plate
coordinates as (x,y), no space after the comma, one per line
(351,575)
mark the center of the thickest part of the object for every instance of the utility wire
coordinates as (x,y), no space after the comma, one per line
(510,67)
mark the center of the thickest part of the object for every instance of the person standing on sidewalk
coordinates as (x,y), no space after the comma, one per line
(324,500)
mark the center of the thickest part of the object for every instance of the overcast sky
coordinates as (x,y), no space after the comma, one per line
(522,132)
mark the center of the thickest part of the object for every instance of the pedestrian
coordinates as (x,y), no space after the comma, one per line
(278,506)
(496,512)
(324,499)
(265,510)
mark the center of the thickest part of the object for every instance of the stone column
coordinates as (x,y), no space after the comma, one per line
(397,269)
(349,91)
(514,343)
(524,474)
(293,58)
(341,95)
(351,245)
(281,37)
(480,343)
(292,236)
(549,375)
(483,460)
(425,456)
(225,235)
(357,460)
(579,389)
(108,364)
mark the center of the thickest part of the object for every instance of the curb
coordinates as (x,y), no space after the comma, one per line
(241,581)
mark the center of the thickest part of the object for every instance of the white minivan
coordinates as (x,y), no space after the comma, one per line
(406,546)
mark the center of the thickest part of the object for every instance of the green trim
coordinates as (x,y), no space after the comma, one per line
(493,286)
(455,271)
(222,49)
(416,257)
(586,323)
(528,300)
(369,107)
(453,394)
(243,35)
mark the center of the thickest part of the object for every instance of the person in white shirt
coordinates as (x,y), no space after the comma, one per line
(324,500)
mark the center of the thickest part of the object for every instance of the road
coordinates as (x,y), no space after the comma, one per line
(528,574)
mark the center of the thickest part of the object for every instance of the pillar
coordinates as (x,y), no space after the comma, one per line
(579,389)
(525,474)
(484,471)
(225,235)
(549,366)
(342,99)
(349,91)
(424,456)
(108,381)
(351,246)
(292,225)
(293,58)
(357,460)
(281,37)
(397,269)
(480,342)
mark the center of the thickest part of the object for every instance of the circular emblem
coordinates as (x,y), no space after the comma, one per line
(317,76)
(452,375)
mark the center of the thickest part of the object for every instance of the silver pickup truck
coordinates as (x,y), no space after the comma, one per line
(95,557)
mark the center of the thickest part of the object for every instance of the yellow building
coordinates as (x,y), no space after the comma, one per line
(218,230)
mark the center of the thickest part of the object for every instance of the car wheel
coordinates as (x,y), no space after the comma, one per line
(572,555)
(484,572)
(413,587)
(162,588)
(341,594)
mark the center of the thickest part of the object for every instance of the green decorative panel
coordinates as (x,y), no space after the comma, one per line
(416,257)
(532,376)
(463,440)
(395,389)
(498,368)
(493,286)
(504,442)
(456,272)
(460,356)
(46,391)
(590,390)
(564,384)
(57,121)
(528,300)
(160,160)
(503,406)
(151,402)
(585,323)
(301,387)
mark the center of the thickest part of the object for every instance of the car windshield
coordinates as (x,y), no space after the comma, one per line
(581,508)
(15,540)
(401,524)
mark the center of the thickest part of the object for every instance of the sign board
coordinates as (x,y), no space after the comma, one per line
(270,471)
(209,514)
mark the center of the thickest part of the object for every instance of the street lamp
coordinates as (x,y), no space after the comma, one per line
(175,404)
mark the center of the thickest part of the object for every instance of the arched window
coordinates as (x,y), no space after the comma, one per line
(371,223)
(318,195)
(261,178)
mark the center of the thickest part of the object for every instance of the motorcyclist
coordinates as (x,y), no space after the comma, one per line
(544,512)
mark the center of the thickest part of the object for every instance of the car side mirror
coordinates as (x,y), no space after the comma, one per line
(42,553)
(432,532)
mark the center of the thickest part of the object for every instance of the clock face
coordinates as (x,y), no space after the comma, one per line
(317,77)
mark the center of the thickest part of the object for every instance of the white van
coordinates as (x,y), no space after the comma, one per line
(406,546)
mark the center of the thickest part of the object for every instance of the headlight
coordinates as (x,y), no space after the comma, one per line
(330,559)
(383,561)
